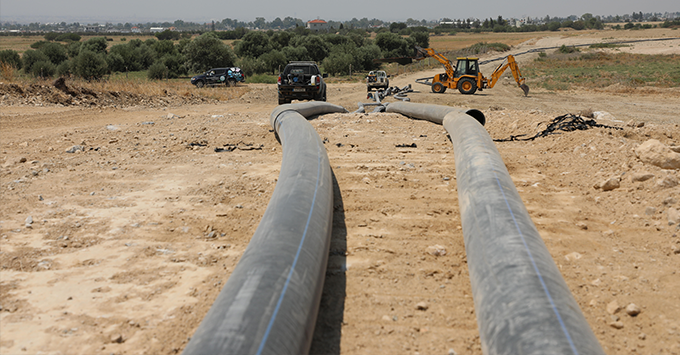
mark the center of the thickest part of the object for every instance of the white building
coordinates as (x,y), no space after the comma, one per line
(317,25)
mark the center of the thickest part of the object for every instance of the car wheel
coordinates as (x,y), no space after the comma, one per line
(438,88)
(467,86)
(200,84)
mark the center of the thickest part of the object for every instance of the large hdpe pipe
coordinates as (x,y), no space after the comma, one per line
(523,304)
(270,302)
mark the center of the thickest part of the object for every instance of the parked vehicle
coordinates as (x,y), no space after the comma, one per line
(301,81)
(377,80)
(219,76)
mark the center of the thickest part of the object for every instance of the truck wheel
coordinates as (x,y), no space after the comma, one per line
(467,86)
(438,88)
(283,100)
(200,84)
(231,82)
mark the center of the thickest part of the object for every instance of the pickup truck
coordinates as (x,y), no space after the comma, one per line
(218,76)
(377,80)
(301,81)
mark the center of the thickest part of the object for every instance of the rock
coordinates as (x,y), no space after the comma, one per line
(633,310)
(75,148)
(640,177)
(610,184)
(582,225)
(616,325)
(668,182)
(642,336)
(422,306)
(387,318)
(436,250)
(603,115)
(613,307)
(675,148)
(658,154)
(595,282)
(673,216)
(452,352)
(573,256)
(669,201)
(650,211)
(118,338)
(29,220)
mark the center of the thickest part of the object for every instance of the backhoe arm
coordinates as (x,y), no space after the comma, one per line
(429,52)
(514,68)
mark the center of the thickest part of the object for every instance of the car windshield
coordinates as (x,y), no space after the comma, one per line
(303,70)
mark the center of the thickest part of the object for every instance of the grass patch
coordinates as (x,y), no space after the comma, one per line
(607,45)
(483,47)
(262,79)
(563,71)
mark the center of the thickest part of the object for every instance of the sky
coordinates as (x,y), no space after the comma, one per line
(135,11)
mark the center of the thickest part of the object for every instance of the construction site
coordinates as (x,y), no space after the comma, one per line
(124,217)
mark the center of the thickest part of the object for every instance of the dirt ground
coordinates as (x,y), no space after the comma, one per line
(120,223)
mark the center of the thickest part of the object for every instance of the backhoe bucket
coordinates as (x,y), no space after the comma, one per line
(524,88)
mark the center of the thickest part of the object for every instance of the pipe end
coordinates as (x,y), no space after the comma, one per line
(477,115)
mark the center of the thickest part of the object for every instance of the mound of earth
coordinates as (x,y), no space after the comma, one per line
(76,95)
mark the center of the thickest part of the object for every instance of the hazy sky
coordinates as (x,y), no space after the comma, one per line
(135,11)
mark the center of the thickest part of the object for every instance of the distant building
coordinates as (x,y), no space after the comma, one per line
(157,29)
(136,29)
(317,25)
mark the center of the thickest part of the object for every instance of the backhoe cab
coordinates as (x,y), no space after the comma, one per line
(465,75)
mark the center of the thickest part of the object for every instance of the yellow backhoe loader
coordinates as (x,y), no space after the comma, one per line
(465,76)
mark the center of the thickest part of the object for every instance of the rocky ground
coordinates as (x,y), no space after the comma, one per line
(121,221)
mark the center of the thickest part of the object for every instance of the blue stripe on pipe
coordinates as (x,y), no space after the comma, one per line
(538,273)
(297,255)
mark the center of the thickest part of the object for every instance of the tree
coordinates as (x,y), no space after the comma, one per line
(90,65)
(273,60)
(392,45)
(11,57)
(31,57)
(168,35)
(422,39)
(164,47)
(95,44)
(43,69)
(55,52)
(338,62)
(253,44)
(207,51)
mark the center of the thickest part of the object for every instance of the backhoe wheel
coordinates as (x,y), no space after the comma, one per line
(438,88)
(467,86)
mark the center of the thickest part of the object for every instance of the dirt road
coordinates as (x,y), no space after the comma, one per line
(119,226)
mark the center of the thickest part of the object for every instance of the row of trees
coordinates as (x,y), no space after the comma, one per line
(256,52)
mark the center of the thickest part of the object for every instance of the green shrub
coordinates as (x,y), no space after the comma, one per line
(31,57)
(55,51)
(95,44)
(207,51)
(11,57)
(251,66)
(43,69)
(566,50)
(65,68)
(68,37)
(157,71)
(90,65)
(39,44)
(338,63)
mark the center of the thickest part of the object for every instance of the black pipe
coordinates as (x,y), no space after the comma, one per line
(270,302)
(523,304)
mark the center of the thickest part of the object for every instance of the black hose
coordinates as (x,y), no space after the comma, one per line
(523,304)
(270,302)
